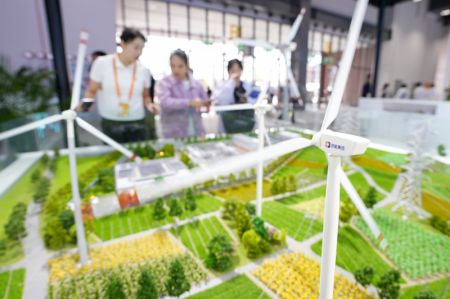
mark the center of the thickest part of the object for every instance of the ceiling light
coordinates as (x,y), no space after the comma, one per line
(445,12)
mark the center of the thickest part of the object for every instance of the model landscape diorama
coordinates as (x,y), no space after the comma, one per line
(206,241)
(187,218)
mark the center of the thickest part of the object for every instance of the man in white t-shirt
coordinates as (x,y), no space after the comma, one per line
(120,84)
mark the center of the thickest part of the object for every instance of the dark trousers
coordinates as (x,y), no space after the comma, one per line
(238,121)
(126,131)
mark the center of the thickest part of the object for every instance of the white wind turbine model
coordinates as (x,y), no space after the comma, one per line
(70,116)
(335,145)
(291,87)
(260,110)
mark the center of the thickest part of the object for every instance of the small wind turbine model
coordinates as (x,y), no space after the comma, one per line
(290,88)
(70,116)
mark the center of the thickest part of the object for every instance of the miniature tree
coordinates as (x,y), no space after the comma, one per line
(36,176)
(114,288)
(242,175)
(347,211)
(229,209)
(220,251)
(253,172)
(45,159)
(389,285)
(425,294)
(168,149)
(371,198)
(159,213)
(231,178)
(56,152)
(190,203)
(149,151)
(251,241)
(441,150)
(283,185)
(260,229)
(251,208)
(242,220)
(292,183)
(2,247)
(275,187)
(364,276)
(175,208)
(177,282)
(146,286)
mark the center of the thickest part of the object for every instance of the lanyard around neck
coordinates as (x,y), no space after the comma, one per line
(116,80)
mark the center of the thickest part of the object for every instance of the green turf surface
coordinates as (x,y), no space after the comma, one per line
(308,166)
(238,287)
(438,182)
(139,219)
(296,224)
(415,250)
(62,175)
(353,253)
(11,284)
(197,235)
(383,179)
(391,158)
(440,288)
(14,253)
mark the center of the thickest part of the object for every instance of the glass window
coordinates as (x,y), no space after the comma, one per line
(215,25)
(274,32)
(178,20)
(326,43)
(285,29)
(231,21)
(157,17)
(335,43)
(198,23)
(247,27)
(261,27)
(317,41)
(135,14)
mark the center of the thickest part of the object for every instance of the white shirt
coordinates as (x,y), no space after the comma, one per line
(224,94)
(402,93)
(420,93)
(107,99)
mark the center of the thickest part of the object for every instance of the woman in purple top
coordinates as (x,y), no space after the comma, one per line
(180,98)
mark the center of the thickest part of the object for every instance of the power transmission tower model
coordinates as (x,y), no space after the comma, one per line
(410,195)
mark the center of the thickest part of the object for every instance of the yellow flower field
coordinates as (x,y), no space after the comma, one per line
(133,251)
(296,276)
(314,207)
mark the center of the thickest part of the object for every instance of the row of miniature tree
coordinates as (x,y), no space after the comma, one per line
(175,206)
(388,285)
(147,151)
(175,285)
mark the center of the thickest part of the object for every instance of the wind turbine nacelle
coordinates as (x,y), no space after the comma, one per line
(340,144)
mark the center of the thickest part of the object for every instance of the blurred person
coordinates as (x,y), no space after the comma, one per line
(385,91)
(367,87)
(235,91)
(120,85)
(180,98)
(419,91)
(402,92)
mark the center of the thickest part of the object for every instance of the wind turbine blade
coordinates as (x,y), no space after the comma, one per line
(79,70)
(146,192)
(345,64)
(365,214)
(91,129)
(31,126)
(295,26)
(233,107)
(293,84)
